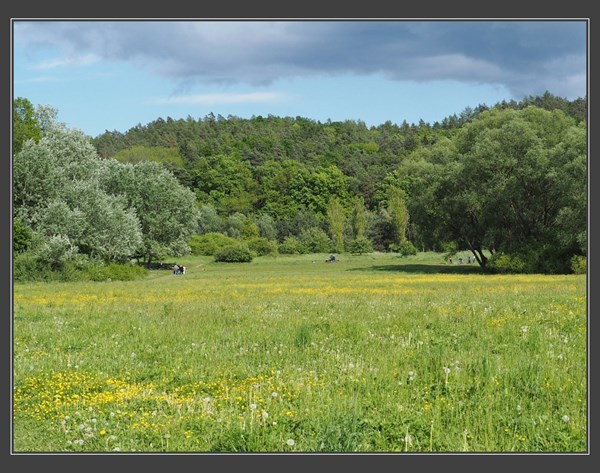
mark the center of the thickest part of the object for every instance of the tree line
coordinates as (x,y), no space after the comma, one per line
(508,181)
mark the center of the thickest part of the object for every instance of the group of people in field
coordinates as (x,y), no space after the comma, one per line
(178,269)
(470,259)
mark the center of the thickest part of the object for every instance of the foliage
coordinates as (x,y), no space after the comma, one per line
(336,217)
(25,125)
(502,263)
(262,246)
(406,248)
(55,251)
(165,208)
(291,245)
(579,264)
(513,185)
(315,240)
(237,253)
(209,243)
(116,272)
(22,236)
(360,245)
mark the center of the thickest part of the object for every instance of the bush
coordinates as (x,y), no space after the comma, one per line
(115,272)
(315,240)
(292,246)
(209,243)
(503,263)
(262,246)
(237,253)
(55,252)
(579,264)
(360,246)
(21,236)
(26,267)
(406,248)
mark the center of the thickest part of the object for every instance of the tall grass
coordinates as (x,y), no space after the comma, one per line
(374,353)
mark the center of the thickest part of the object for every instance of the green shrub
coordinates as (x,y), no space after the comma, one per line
(209,243)
(579,264)
(262,246)
(26,267)
(22,235)
(503,263)
(315,240)
(360,246)
(292,246)
(115,272)
(406,248)
(237,253)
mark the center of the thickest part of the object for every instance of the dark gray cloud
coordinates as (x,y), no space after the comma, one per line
(527,57)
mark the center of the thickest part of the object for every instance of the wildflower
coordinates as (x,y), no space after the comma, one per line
(524,329)
(265,414)
(446,370)
(566,418)
(291,442)
(103,432)
(253,406)
(274,394)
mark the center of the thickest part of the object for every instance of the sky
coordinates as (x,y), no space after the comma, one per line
(112,75)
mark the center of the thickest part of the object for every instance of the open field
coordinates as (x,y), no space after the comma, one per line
(374,353)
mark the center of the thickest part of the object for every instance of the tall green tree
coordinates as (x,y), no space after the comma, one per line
(165,208)
(336,217)
(25,124)
(518,177)
(398,214)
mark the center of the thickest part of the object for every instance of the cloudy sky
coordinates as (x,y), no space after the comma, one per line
(113,75)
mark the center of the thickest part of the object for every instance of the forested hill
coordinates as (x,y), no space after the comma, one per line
(510,181)
(245,152)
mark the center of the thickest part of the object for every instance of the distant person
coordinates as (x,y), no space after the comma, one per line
(182,269)
(176,269)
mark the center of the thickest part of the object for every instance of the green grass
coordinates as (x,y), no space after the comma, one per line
(374,353)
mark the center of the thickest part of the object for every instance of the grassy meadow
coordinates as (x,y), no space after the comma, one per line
(374,353)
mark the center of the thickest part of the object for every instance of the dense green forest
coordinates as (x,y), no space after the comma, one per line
(508,181)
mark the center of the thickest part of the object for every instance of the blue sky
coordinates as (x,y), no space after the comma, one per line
(113,75)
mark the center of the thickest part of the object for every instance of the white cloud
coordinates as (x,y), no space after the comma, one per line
(67,62)
(222,98)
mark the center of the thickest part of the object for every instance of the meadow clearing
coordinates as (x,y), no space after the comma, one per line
(374,353)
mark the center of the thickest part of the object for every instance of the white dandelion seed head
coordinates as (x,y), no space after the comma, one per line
(566,418)
(253,406)
(446,370)
(291,442)
(274,394)
(265,414)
